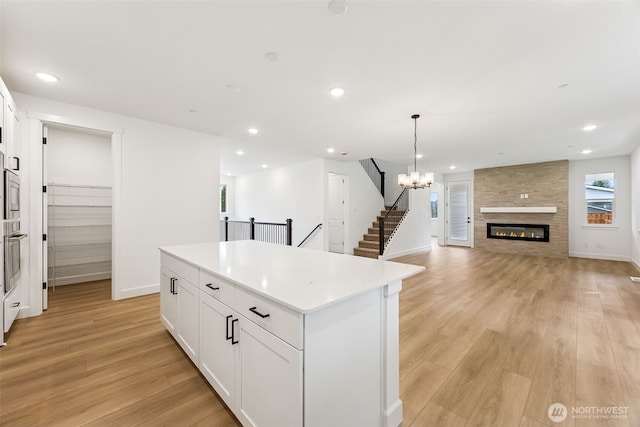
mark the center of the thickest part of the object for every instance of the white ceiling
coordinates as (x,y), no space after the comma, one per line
(484,75)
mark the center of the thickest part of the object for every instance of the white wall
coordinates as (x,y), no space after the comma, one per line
(597,241)
(165,190)
(635,207)
(414,232)
(273,195)
(391,188)
(78,158)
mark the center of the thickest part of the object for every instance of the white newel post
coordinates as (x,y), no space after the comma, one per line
(391,403)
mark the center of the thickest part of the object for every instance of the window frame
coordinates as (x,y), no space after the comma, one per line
(588,200)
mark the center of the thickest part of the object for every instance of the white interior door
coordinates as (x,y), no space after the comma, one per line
(336,213)
(459,216)
(45,223)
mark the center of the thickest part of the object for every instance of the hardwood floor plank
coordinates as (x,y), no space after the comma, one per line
(436,415)
(465,386)
(503,401)
(418,386)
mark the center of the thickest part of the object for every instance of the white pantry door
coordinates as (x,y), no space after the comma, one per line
(458,213)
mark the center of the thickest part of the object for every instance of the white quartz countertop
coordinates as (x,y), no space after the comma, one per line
(304,280)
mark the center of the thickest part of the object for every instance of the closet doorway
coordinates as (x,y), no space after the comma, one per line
(77,210)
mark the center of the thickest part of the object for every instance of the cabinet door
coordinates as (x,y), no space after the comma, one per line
(218,354)
(168,302)
(188,318)
(270,380)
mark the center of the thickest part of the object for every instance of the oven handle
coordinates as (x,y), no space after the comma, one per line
(17,237)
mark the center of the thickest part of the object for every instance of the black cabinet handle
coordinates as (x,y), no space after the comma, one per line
(233,333)
(172,288)
(15,304)
(255,311)
(213,288)
(17,168)
(228,336)
(171,285)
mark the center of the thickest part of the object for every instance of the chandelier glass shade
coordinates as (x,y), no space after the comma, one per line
(415,179)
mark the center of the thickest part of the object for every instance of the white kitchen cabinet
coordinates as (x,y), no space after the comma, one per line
(168,301)
(270,391)
(187,327)
(12,303)
(219,351)
(256,374)
(293,337)
(179,304)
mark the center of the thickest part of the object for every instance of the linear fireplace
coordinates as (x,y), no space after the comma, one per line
(531,232)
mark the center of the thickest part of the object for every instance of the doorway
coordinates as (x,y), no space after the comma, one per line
(77,210)
(459,213)
(336,213)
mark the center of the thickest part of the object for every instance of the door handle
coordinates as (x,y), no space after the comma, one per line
(227,332)
(255,311)
(233,333)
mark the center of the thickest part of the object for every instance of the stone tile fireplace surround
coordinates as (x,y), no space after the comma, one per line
(545,184)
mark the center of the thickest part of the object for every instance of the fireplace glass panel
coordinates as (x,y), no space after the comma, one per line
(531,232)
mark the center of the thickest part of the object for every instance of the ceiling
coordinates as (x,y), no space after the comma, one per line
(488,78)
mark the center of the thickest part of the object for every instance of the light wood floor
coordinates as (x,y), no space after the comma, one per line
(486,340)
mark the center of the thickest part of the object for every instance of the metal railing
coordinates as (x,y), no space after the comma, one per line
(271,232)
(319,226)
(374,172)
(397,211)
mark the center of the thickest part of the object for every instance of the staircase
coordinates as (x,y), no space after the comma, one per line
(369,246)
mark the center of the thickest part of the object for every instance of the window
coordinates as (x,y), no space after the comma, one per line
(223,198)
(434,205)
(600,194)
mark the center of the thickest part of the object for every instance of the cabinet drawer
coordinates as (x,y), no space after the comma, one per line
(12,305)
(284,323)
(179,267)
(217,287)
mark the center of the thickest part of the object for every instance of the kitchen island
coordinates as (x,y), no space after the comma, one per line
(289,336)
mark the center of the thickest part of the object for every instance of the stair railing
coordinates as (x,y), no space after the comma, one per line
(377,176)
(252,230)
(400,205)
(319,226)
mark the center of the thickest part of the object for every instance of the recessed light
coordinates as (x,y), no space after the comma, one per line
(228,173)
(193,111)
(337,7)
(264,166)
(240,152)
(586,151)
(330,150)
(452,167)
(563,86)
(252,131)
(589,128)
(419,156)
(343,153)
(49,78)
(272,56)
(337,92)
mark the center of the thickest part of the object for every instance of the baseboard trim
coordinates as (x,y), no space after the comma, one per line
(411,251)
(600,256)
(138,291)
(636,264)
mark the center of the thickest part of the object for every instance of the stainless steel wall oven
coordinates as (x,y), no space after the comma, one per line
(11,195)
(12,263)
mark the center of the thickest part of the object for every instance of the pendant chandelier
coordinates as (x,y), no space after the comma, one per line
(414,179)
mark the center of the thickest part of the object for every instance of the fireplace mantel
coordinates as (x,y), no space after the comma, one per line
(520,209)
